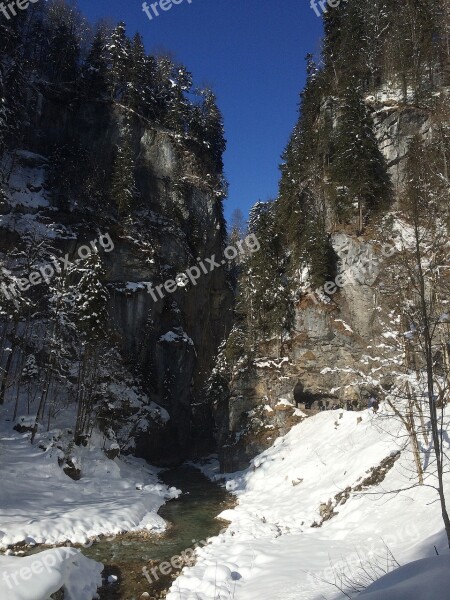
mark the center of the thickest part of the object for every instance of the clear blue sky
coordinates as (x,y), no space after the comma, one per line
(252,53)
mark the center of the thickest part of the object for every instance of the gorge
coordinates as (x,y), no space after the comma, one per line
(301,361)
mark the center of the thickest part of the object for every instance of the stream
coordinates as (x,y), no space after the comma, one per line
(191,517)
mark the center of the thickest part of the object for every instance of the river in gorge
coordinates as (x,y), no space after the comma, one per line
(191,517)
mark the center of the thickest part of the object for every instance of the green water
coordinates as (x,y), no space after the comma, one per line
(190,517)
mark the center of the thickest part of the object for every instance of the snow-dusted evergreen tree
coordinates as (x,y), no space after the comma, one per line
(263,294)
(171,83)
(135,93)
(65,30)
(375,14)
(95,67)
(150,101)
(90,316)
(59,337)
(118,48)
(12,82)
(300,209)
(123,184)
(213,128)
(3,108)
(358,168)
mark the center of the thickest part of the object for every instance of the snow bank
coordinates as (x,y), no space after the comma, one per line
(426,578)
(36,577)
(40,504)
(308,510)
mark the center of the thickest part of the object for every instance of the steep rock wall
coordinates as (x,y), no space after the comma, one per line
(169,345)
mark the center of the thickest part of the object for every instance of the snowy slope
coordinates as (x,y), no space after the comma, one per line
(426,578)
(274,548)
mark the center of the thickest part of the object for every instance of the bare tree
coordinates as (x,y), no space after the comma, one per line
(426,203)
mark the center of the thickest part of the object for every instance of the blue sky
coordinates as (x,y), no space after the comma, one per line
(251,52)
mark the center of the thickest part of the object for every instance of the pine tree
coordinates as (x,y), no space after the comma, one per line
(14,305)
(300,206)
(64,55)
(119,53)
(263,292)
(375,15)
(3,112)
(65,30)
(237,226)
(302,159)
(123,185)
(150,101)
(358,169)
(95,68)
(213,128)
(174,81)
(333,27)
(90,300)
(137,75)
(352,44)
(12,82)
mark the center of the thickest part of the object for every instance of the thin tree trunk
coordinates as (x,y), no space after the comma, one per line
(8,365)
(42,403)
(81,389)
(422,422)
(430,379)
(413,436)
(20,369)
(408,422)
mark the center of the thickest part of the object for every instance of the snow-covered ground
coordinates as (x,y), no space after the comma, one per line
(40,504)
(426,578)
(38,576)
(278,546)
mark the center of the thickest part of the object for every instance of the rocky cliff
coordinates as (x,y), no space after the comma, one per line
(334,328)
(166,346)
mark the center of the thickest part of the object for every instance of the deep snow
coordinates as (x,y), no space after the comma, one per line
(428,578)
(40,504)
(36,577)
(273,549)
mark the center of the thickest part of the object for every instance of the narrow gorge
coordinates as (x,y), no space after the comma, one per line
(274,389)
